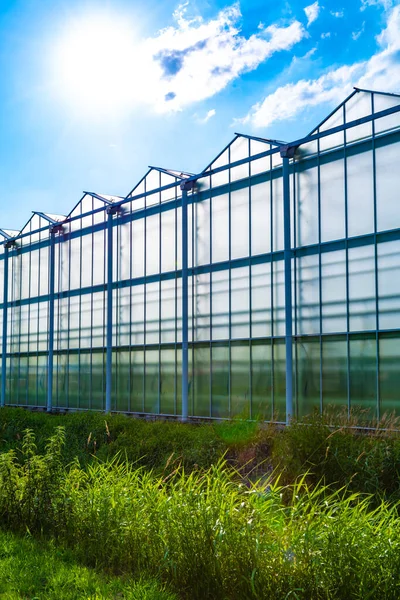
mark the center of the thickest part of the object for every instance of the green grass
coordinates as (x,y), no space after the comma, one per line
(205,534)
(42,571)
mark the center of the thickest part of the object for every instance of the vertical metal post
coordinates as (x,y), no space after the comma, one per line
(4,342)
(52,250)
(185,314)
(109,323)
(287,152)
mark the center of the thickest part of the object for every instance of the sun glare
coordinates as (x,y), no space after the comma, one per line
(95,61)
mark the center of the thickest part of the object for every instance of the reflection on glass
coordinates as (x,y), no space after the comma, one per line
(240,379)
(307,375)
(220,380)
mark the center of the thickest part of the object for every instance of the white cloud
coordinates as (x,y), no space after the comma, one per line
(326,35)
(312,12)
(211,113)
(338,13)
(387,4)
(195,59)
(356,34)
(380,72)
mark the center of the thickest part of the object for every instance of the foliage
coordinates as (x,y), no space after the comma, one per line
(205,533)
(38,570)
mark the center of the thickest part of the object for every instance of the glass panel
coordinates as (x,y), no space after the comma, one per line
(84,375)
(332,198)
(240,380)
(220,228)
(137,380)
(261,300)
(220,380)
(358,106)
(306,205)
(168,258)
(152,313)
(240,303)
(389,373)
(277,212)
(307,310)
(222,177)
(279,380)
(363,376)
(278,291)
(98,380)
(387,185)
(261,218)
(336,139)
(122,380)
(167,382)
(334,291)
(307,375)
(261,380)
(201,381)
(238,150)
(389,285)
(152,382)
(240,223)
(152,244)
(137,323)
(382,102)
(360,193)
(362,288)
(167,333)
(220,305)
(334,371)
(201,244)
(201,307)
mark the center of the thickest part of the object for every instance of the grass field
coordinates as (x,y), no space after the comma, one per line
(116,507)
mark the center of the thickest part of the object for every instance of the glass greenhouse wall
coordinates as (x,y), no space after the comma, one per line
(265,286)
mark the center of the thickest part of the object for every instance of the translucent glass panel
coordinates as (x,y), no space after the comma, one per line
(307,297)
(307,375)
(261,380)
(201,380)
(387,183)
(261,286)
(362,307)
(360,105)
(334,372)
(240,380)
(389,373)
(389,285)
(220,305)
(383,102)
(363,374)
(360,192)
(239,150)
(307,205)
(240,303)
(240,223)
(332,197)
(220,383)
(201,310)
(220,228)
(261,218)
(334,292)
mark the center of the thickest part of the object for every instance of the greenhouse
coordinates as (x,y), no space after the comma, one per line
(265,286)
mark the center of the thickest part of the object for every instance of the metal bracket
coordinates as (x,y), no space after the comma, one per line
(188,185)
(113,209)
(56,229)
(287,151)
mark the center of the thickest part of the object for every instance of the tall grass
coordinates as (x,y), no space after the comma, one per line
(36,570)
(205,533)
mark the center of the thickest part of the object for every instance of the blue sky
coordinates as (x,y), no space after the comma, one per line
(93,92)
